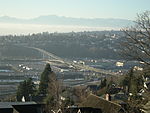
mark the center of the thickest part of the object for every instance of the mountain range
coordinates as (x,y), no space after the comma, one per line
(61,20)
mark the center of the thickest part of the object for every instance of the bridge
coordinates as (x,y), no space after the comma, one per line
(70,63)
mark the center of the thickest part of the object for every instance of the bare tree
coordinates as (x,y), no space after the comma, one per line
(136,44)
(54,91)
(81,93)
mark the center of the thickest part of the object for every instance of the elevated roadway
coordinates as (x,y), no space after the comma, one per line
(70,63)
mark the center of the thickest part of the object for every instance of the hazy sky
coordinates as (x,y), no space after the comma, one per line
(126,9)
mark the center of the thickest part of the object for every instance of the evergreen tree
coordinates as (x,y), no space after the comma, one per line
(103,83)
(132,81)
(30,87)
(26,89)
(45,76)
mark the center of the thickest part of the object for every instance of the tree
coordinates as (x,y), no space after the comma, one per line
(133,81)
(26,89)
(136,44)
(53,99)
(44,81)
(103,83)
(129,82)
(80,93)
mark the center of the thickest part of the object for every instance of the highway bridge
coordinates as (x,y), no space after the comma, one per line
(51,57)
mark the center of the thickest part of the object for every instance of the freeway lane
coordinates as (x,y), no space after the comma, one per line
(75,65)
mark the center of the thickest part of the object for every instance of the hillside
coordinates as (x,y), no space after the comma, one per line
(99,45)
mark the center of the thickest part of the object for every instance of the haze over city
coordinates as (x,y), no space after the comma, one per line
(74,56)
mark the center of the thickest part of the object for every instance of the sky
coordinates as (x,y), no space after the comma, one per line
(123,9)
(27,9)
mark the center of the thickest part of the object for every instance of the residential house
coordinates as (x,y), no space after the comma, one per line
(21,107)
(96,102)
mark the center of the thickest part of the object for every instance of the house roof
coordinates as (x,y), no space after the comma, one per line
(83,110)
(6,110)
(21,107)
(10,104)
(97,102)
(5,105)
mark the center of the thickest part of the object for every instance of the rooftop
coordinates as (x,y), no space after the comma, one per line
(97,102)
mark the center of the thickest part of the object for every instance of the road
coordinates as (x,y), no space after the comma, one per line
(75,65)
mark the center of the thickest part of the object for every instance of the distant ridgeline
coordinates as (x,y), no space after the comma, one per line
(61,20)
(100,44)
